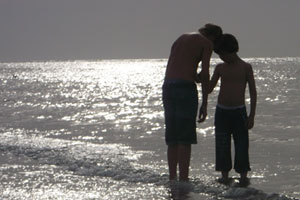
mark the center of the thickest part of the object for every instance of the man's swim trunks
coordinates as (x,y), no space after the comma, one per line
(231,121)
(180,100)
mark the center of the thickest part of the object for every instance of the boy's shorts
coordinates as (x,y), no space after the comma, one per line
(180,100)
(231,122)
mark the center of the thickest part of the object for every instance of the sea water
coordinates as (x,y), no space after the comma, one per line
(95,130)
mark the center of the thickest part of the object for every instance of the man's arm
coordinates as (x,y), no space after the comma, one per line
(253,97)
(205,71)
(205,81)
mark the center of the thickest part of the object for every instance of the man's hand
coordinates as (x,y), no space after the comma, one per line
(198,78)
(202,113)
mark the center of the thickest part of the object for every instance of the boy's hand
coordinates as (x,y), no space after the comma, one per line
(202,113)
(250,122)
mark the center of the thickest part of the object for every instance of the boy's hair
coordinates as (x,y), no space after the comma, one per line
(211,30)
(227,43)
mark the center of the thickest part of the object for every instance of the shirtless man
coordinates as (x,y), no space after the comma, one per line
(231,116)
(180,96)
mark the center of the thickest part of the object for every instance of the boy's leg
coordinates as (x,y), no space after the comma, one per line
(241,143)
(172,161)
(225,178)
(222,140)
(223,152)
(241,159)
(225,175)
(244,175)
(184,157)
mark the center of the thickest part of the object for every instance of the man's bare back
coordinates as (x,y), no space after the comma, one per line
(186,53)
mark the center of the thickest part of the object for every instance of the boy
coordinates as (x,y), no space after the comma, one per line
(231,117)
(180,95)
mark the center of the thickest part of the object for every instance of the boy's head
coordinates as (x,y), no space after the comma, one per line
(211,31)
(226,44)
(226,47)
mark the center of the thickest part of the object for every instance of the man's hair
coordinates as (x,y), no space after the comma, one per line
(227,43)
(211,30)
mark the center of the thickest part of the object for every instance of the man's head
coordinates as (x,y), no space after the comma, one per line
(226,47)
(211,31)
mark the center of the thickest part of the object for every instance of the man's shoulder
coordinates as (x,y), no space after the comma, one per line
(197,37)
(194,42)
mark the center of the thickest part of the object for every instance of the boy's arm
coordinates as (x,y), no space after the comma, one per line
(207,51)
(253,97)
(214,79)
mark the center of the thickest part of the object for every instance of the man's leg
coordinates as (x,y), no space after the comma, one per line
(172,161)
(184,157)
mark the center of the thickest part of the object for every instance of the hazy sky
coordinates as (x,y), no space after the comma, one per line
(105,29)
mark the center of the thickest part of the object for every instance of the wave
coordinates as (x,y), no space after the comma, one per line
(120,163)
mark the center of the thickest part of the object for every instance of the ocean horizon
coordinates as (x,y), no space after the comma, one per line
(104,59)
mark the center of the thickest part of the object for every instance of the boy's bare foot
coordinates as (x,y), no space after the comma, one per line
(172,178)
(225,178)
(244,182)
(224,181)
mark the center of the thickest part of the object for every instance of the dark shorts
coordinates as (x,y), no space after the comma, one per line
(231,122)
(180,100)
